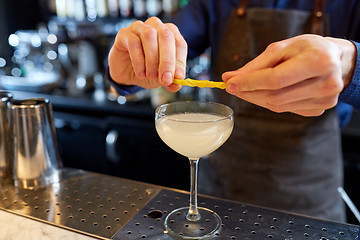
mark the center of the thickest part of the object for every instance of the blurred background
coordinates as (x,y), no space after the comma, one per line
(58,49)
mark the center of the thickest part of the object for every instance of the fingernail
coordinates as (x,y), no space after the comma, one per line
(179,73)
(231,88)
(167,78)
(225,77)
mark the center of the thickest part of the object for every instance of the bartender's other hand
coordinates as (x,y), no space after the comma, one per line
(149,54)
(302,75)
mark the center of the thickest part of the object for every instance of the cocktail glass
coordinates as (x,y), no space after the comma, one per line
(193,129)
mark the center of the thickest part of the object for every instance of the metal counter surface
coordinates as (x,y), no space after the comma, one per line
(90,203)
(108,207)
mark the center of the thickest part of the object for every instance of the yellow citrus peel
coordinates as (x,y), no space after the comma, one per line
(200,83)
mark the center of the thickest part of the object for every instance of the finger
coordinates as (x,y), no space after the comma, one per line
(313,88)
(173,87)
(310,113)
(288,59)
(281,51)
(168,68)
(285,74)
(134,45)
(274,54)
(167,55)
(118,58)
(151,52)
(309,104)
(167,51)
(309,107)
(314,105)
(181,52)
(271,57)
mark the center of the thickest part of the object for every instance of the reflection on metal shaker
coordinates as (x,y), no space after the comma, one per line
(36,158)
(5,137)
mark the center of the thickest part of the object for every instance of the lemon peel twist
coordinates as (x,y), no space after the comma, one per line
(200,83)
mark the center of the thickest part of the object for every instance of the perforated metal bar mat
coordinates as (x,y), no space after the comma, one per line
(240,221)
(90,203)
(108,207)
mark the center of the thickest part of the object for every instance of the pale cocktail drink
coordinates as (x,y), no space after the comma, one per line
(183,133)
(193,129)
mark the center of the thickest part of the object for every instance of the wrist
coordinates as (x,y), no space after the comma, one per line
(348,61)
(121,89)
(347,58)
(351,95)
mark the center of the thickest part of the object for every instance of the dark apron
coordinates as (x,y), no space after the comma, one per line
(283,161)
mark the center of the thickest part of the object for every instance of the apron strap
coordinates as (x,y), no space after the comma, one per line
(241,9)
(317,18)
(316,21)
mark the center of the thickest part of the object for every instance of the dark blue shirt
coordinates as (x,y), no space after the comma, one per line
(202,23)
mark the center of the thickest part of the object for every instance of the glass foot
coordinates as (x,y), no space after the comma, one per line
(179,227)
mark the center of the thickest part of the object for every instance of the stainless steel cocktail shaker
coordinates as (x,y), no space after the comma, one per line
(36,158)
(5,138)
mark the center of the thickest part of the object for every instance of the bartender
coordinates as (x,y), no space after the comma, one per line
(283,159)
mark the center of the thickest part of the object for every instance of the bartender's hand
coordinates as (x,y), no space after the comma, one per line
(303,75)
(149,54)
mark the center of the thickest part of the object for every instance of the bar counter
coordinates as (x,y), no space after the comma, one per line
(86,205)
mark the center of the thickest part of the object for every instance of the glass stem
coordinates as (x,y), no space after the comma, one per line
(193,214)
